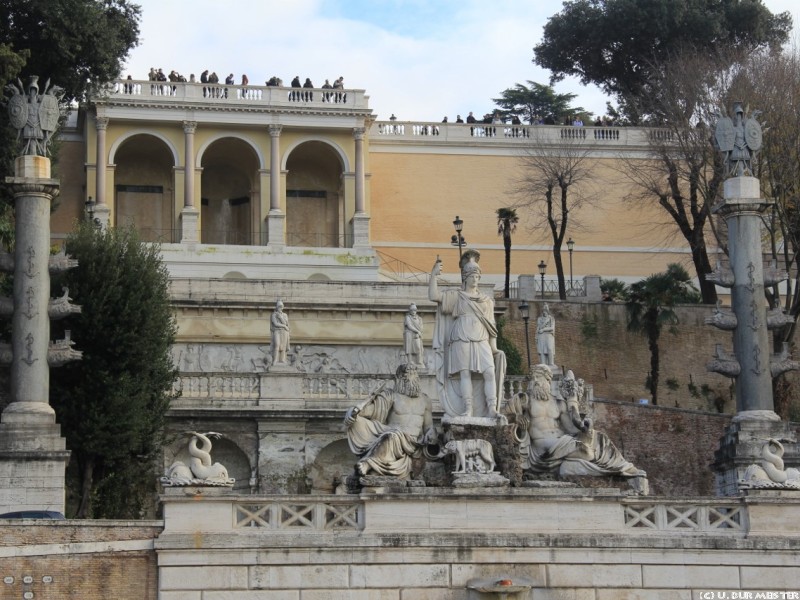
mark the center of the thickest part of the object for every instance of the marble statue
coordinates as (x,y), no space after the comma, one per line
(34,115)
(465,343)
(770,474)
(738,139)
(554,438)
(472,456)
(392,427)
(279,328)
(200,470)
(412,338)
(546,337)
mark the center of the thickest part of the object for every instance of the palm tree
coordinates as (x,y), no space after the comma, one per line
(650,305)
(507,220)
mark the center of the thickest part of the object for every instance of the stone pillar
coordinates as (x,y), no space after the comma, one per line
(742,208)
(102,211)
(755,421)
(276,219)
(360,218)
(32,452)
(190,215)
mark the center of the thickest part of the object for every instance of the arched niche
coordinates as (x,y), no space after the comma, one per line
(143,187)
(229,193)
(315,196)
(334,462)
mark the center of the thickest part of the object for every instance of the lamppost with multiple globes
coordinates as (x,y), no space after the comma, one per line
(542,271)
(570,246)
(524,311)
(458,239)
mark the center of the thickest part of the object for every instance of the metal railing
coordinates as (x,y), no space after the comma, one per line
(396,269)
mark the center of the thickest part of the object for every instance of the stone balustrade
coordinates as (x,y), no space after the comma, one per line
(504,133)
(173,92)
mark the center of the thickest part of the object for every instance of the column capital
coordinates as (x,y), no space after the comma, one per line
(189,126)
(358,133)
(275,130)
(101,123)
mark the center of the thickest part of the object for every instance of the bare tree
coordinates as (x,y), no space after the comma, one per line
(684,175)
(555,182)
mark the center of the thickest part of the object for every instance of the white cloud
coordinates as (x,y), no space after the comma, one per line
(453,57)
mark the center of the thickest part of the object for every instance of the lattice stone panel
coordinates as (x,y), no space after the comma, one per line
(312,516)
(686,517)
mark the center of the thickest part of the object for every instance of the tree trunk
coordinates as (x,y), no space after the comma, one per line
(507,246)
(702,265)
(86,489)
(653,334)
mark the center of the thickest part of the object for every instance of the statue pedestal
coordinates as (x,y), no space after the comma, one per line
(741,446)
(34,457)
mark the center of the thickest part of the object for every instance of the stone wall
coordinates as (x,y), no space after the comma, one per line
(675,446)
(592,339)
(90,560)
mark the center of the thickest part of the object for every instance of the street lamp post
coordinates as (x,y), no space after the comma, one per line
(542,271)
(570,246)
(525,313)
(458,239)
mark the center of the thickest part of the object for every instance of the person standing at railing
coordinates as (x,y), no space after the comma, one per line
(339,85)
(459,119)
(308,96)
(295,84)
(326,96)
(245,81)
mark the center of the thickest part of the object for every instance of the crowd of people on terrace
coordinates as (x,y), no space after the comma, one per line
(210,77)
(338,95)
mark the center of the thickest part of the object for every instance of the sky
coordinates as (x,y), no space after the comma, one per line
(420,60)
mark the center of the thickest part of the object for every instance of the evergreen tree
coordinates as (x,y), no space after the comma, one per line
(651,304)
(112,404)
(535,103)
(507,220)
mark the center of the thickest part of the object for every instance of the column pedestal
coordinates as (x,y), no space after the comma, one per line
(361,231)
(190,219)
(741,446)
(276,239)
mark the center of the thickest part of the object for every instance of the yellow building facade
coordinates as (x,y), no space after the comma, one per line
(272,183)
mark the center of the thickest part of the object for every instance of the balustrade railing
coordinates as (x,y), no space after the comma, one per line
(714,517)
(318,239)
(219,386)
(221,93)
(300,515)
(340,387)
(517,133)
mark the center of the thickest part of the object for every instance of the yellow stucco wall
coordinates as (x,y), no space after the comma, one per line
(416,196)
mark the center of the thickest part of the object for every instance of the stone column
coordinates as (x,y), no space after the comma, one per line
(102,211)
(360,218)
(32,452)
(743,208)
(755,420)
(276,219)
(190,215)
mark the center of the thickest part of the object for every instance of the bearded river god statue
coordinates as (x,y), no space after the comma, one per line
(555,439)
(392,427)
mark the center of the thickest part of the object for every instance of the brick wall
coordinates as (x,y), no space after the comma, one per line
(592,339)
(87,560)
(675,446)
